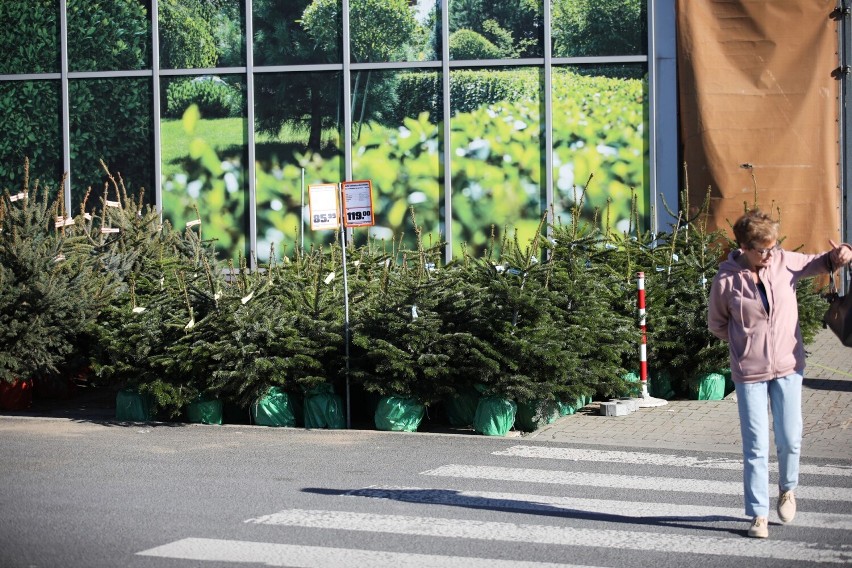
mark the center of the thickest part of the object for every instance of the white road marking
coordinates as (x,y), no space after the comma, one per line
(664,460)
(647,483)
(558,535)
(660,513)
(273,554)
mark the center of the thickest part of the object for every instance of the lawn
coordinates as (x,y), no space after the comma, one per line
(228,137)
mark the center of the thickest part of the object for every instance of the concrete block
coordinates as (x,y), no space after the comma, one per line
(614,408)
(632,403)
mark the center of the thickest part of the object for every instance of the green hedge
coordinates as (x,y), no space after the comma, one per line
(214,97)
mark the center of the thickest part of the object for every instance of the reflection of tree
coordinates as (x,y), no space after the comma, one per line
(599,27)
(515,28)
(379,31)
(307,104)
(298,31)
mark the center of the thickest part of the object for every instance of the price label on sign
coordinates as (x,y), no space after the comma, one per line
(322,198)
(358,203)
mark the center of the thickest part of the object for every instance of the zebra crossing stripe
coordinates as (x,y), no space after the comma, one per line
(558,535)
(295,556)
(574,506)
(663,460)
(610,481)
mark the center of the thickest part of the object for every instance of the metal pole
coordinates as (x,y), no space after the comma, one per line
(302,215)
(645,400)
(345,306)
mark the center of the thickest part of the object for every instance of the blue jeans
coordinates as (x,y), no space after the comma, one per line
(784,395)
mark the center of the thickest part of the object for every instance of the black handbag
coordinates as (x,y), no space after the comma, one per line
(838,317)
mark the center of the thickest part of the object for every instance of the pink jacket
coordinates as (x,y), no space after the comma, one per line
(763,345)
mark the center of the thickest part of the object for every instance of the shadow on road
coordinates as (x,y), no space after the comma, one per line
(454,498)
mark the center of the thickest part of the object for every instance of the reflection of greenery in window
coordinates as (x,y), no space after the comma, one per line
(38,22)
(599,27)
(401,156)
(200,33)
(29,123)
(114,136)
(280,39)
(496,165)
(107,36)
(110,119)
(379,29)
(512,29)
(599,128)
(203,167)
(298,126)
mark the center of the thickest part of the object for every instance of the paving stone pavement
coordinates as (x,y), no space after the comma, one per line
(714,425)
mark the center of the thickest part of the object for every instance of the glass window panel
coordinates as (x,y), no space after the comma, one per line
(199,35)
(298,125)
(204,149)
(496,155)
(111,120)
(485,29)
(109,36)
(600,124)
(587,28)
(292,32)
(30,38)
(30,128)
(393,30)
(397,144)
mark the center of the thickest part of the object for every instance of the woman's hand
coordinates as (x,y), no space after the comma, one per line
(840,254)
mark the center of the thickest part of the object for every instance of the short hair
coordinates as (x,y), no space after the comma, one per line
(755,227)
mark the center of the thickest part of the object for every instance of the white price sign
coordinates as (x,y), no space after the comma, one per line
(322,199)
(358,203)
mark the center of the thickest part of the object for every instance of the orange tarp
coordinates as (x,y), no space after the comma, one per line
(756,87)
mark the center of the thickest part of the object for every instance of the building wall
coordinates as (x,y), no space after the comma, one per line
(478,117)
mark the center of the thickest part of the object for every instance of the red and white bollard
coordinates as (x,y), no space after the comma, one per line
(645,400)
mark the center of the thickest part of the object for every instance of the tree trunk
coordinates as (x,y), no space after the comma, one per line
(315,136)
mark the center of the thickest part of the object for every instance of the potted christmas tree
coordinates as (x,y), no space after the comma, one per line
(400,347)
(50,292)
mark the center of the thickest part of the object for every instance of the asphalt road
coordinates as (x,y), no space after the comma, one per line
(87,495)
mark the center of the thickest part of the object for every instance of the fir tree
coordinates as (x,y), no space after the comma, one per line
(49,291)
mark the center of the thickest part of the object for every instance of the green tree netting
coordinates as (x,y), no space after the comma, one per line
(495,416)
(274,409)
(399,414)
(133,406)
(323,408)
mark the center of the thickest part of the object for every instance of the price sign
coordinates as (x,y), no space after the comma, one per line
(322,199)
(358,203)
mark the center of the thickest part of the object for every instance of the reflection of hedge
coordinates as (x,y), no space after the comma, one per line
(467,44)
(469,90)
(497,161)
(214,98)
(186,35)
(29,113)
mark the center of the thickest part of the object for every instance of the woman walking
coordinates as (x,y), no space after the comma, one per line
(753,307)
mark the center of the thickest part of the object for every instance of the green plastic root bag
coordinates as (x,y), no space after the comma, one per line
(462,408)
(274,409)
(323,408)
(204,411)
(131,406)
(399,414)
(710,386)
(566,409)
(660,385)
(495,416)
(634,383)
(531,416)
